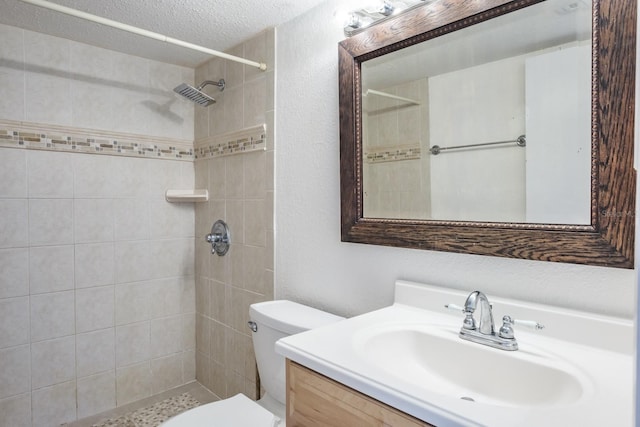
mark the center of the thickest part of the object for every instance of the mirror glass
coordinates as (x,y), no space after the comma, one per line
(489,123)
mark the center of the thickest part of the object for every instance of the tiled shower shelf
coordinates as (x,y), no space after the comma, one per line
(185,196)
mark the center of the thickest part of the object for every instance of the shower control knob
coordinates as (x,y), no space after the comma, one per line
(219,238)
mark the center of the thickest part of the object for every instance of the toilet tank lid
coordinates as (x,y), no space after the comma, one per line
(290,317)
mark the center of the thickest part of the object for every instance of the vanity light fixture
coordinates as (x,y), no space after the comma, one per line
(362,18)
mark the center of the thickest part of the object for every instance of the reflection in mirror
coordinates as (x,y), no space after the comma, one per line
(429,109)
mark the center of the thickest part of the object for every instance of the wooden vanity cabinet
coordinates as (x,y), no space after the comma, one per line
(315,400)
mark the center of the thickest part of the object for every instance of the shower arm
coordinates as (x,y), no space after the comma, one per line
(219,83)
(141,32)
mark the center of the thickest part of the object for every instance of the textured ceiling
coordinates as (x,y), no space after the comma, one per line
(216,24)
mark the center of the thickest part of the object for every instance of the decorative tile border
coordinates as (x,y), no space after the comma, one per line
(247,140)
(56,138)
(393,154)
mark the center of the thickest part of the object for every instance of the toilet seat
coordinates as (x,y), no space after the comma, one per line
(236,411)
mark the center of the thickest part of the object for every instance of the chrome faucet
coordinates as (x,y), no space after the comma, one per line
(486,325)
(483,331)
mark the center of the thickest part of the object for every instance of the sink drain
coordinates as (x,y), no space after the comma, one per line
(470,399)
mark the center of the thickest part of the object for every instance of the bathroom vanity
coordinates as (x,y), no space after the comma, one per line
(313,399)
(406,365)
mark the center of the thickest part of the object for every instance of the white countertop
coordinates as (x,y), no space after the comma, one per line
(605,368)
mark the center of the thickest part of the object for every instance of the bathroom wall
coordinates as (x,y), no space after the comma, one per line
(314,266)
(240,183)
(96,269)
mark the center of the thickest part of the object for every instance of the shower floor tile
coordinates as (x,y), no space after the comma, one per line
(153,411)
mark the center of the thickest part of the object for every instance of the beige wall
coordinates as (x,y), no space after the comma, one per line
(315,267)
(241,193)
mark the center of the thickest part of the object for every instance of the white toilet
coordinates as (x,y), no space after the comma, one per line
(270,321)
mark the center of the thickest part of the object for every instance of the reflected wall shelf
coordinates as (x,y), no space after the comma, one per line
(185,196)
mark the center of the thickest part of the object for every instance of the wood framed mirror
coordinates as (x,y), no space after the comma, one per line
(607,236)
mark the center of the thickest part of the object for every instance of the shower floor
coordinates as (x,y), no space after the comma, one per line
(147,418)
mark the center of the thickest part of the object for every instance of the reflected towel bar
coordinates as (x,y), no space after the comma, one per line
(521,141)
(388,95)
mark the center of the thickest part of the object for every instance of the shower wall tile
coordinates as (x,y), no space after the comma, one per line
(11,73)
(234,179)
(255,222)
(237,266)
(256,49)
(51,268)
(92,63)
(235,70)
(91,179)
(12,82)
(96,394)
(14,321)
(47,101)
(16,411)
(189,331)
(95,352)
(86,111)
(167,174)
(133,261)
(94,308)
(93,220)
(15,375)
(53,362)
(50,221)
(52,315)
(255,101)
(14,272)
(13,170)
(131,219)
(255,172)
(217,184)
(133,383)
(50,174)
(54,405)
(215,116)
(233,109)
(166,297)
(132,343)
(167,373)
(189,365)
(171,220)
(85,230)
(14,229)
(64,79)
(166,336)
(132,302)
(131,177)
(255,270)
(241,186)
(94,264)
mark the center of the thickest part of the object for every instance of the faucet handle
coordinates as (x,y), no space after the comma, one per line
(506,330)
(454,307)
(469,321)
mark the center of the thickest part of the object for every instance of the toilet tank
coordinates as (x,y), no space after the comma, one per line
(275,320)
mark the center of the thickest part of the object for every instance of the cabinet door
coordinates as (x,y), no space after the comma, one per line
(314,400)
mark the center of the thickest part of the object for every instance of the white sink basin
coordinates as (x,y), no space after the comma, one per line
(576,372)
(434,356)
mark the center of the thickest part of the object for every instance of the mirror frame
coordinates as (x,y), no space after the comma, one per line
(607,241)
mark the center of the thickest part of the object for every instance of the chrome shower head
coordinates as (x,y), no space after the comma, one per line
(196,94)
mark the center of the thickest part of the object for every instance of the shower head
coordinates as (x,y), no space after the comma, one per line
(196,94)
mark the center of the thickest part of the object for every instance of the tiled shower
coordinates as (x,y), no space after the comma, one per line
(107,292)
